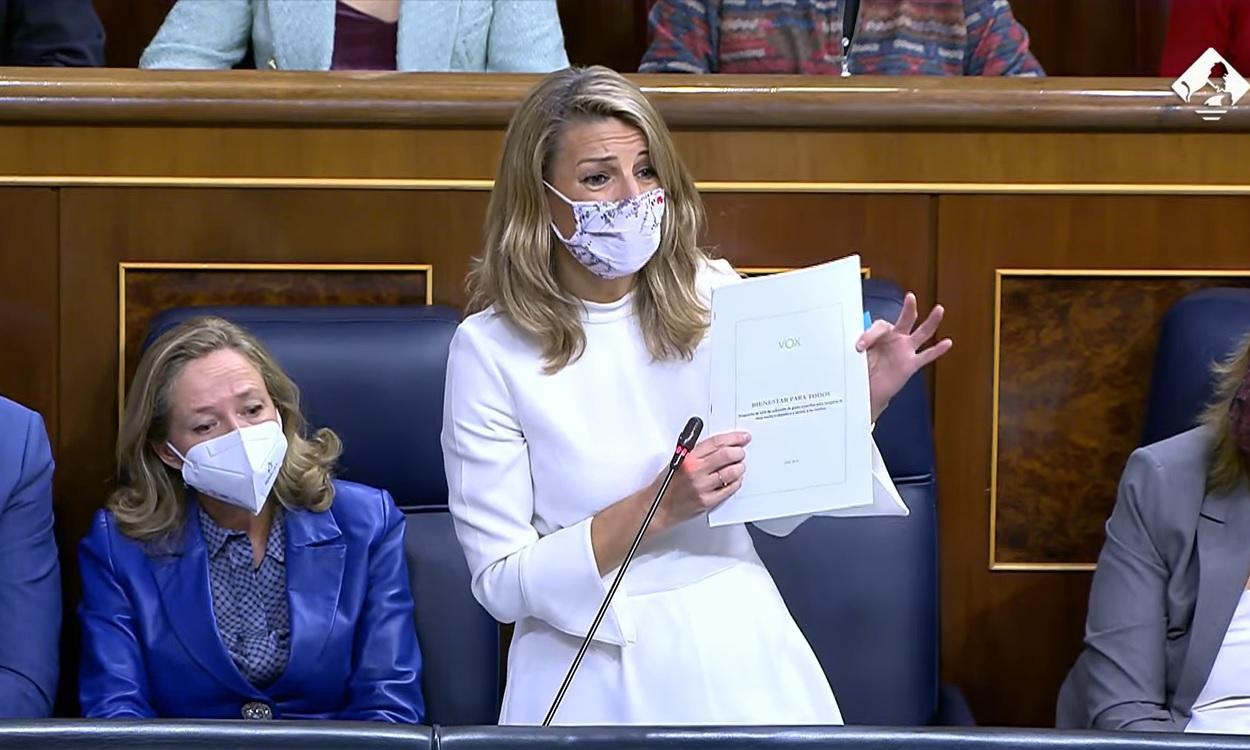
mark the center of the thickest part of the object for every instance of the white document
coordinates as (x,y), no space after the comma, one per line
(784,368)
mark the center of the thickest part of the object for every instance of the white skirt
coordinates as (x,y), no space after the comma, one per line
(721,650)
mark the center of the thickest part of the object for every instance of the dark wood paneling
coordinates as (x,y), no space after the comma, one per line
(1082,38)
(28,298)
(605,32)
(249,153)
(894,235)
(1075,356)
(150,291)
(128,27)
(1008,638)
(1152,31)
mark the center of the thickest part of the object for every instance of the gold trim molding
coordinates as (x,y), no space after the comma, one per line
(999,275)
(126,266)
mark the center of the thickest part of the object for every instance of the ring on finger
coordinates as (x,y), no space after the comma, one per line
(723,483)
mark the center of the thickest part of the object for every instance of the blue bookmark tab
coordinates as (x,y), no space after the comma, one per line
(867,320)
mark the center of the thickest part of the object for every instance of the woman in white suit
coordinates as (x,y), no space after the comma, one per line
(405,35)
(565,392)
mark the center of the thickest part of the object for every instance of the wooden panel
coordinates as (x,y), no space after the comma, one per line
(28,298)
(1075,357)
(129,26)
(605,32)
(894,235)
(1152,31)
(456,100)
(1080,38)
(148,290)
(255,154)
(1008,638)
(249,153)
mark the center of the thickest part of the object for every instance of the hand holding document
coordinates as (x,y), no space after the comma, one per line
(785,369)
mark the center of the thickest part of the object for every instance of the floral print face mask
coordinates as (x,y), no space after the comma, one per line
(614,239)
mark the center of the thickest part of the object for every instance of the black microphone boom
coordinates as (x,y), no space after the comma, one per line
(689,436)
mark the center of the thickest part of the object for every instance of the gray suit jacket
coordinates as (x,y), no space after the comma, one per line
(434,35)
(1171,572)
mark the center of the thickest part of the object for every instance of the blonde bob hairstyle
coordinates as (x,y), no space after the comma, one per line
(516,271)
(1229,466)
(149,503)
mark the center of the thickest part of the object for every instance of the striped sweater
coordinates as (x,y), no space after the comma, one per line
(892,37)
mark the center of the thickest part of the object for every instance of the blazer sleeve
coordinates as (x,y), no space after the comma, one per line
(1119,681)
(199,35)
(386,682)
(30,585)
(112,675)
(525,37)
(59,33)
(683,38)
(998,44)
(516,572)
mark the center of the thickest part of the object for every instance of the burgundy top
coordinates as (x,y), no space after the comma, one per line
(361,41)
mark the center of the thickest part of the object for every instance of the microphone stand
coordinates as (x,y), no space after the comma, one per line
(687,440)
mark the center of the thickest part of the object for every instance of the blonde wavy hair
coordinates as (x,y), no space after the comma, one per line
(516,271)
(1229,466)
(149,503)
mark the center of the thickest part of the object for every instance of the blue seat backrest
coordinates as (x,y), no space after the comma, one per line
(1201,329)
(375,376)
(864,591)
(460,640)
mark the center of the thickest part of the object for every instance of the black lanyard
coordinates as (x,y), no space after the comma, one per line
(849,13)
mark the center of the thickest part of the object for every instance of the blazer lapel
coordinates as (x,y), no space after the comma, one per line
(427,34)
(1223,568)
(315,558)
(187,600)
(303,34)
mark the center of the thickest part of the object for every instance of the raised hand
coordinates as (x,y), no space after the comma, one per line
(895,354)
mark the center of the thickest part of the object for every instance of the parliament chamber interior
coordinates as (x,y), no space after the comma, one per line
(357,344)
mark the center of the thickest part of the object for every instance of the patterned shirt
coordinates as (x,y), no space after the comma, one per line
(892,37)
(249,602)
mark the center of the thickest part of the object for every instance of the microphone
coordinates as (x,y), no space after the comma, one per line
(685,442)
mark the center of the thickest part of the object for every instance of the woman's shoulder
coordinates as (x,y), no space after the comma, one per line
(361,510)
(713,273)
(106,539)
(489,335)
(1166,481)
(1182,457)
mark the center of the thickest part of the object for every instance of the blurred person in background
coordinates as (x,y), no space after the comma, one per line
(406,35)
(51,33)
(839,37)
(1167,641)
